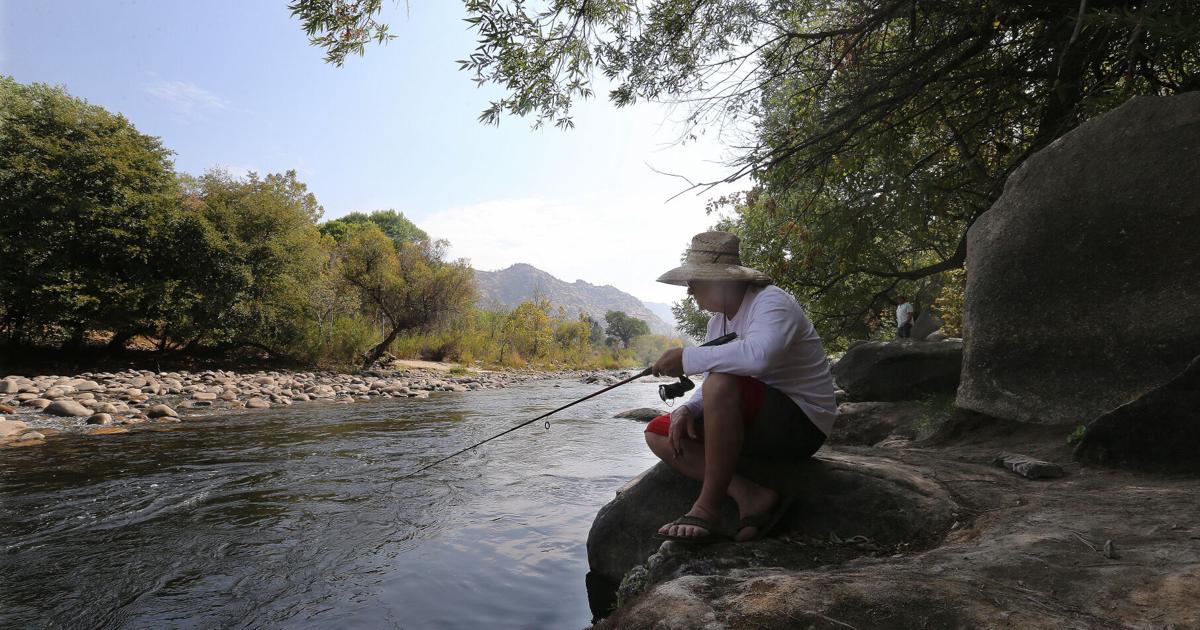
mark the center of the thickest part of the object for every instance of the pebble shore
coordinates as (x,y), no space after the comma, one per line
(101,403)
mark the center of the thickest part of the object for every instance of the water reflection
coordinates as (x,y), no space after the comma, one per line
(297,517)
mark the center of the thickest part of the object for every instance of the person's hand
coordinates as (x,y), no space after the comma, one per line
(669,364)
(682,423)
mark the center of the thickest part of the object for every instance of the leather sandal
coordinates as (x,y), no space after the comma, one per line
(713,534)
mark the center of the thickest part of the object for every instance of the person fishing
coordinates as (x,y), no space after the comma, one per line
(766,394)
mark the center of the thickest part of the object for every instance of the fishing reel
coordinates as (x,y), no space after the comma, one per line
(670,392)
(674,390)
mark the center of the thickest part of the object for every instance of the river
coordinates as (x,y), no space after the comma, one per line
(296,517)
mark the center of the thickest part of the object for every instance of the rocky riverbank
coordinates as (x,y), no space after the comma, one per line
(34,408)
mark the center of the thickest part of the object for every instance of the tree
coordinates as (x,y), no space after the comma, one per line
(623,327)
(873,133)
(595,330)
(407,286)
(691,321)
(394,224)
(246,262)
(85,204)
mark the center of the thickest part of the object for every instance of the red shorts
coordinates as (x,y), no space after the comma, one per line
(752,391)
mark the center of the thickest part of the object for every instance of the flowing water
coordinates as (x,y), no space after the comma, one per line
(295,517)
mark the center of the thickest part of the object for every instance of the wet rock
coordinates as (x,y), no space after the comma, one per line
(32,435)
(100,418)
(205,396)
(1028,467)
(158,411)
(257,403)
(641,413)
(899,370)
(11,427)
(67,408)
(105,408)
(1083,289)
(26,443)
(36,403)
(1159,431)
(107,431)
(7,408)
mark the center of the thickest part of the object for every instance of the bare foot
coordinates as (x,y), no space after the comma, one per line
(760,501)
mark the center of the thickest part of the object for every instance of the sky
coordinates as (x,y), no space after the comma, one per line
(236,85)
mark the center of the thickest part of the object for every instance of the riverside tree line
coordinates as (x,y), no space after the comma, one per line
(101,241)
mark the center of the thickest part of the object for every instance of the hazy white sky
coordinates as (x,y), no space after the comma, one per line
(236,85)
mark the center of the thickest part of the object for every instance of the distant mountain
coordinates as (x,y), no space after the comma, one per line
(663,311)
(520,282)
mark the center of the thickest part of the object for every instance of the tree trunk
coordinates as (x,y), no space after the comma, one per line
(374,353)
(117,344)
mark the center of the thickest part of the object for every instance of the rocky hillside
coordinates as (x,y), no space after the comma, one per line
(520,282)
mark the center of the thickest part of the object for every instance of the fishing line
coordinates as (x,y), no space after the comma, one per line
(671,391)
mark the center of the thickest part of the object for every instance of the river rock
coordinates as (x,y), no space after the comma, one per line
(9,387)
(105,407)
(643,414)
(36,403)
(107,431)
(257,403)
(899,370)
(86,386)
(100,418)
(1159,431)
(67,408)
(32,435)
(158,411)
(881,499)
(11,427)
(1083,292)
(7,408)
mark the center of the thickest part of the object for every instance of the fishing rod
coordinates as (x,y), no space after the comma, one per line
(666,392)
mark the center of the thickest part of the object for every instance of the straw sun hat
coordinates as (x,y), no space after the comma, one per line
(714,257)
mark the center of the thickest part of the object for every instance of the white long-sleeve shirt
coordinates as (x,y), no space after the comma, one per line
(777,345)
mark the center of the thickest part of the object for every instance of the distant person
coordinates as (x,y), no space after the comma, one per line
(904,318)
(768,393)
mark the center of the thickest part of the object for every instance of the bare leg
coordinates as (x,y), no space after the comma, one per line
(715,461)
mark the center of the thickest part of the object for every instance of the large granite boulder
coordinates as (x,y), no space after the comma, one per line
(1158,432)
(1083,288)
(899,370)
(925,324)
(883,500)
(868,423)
